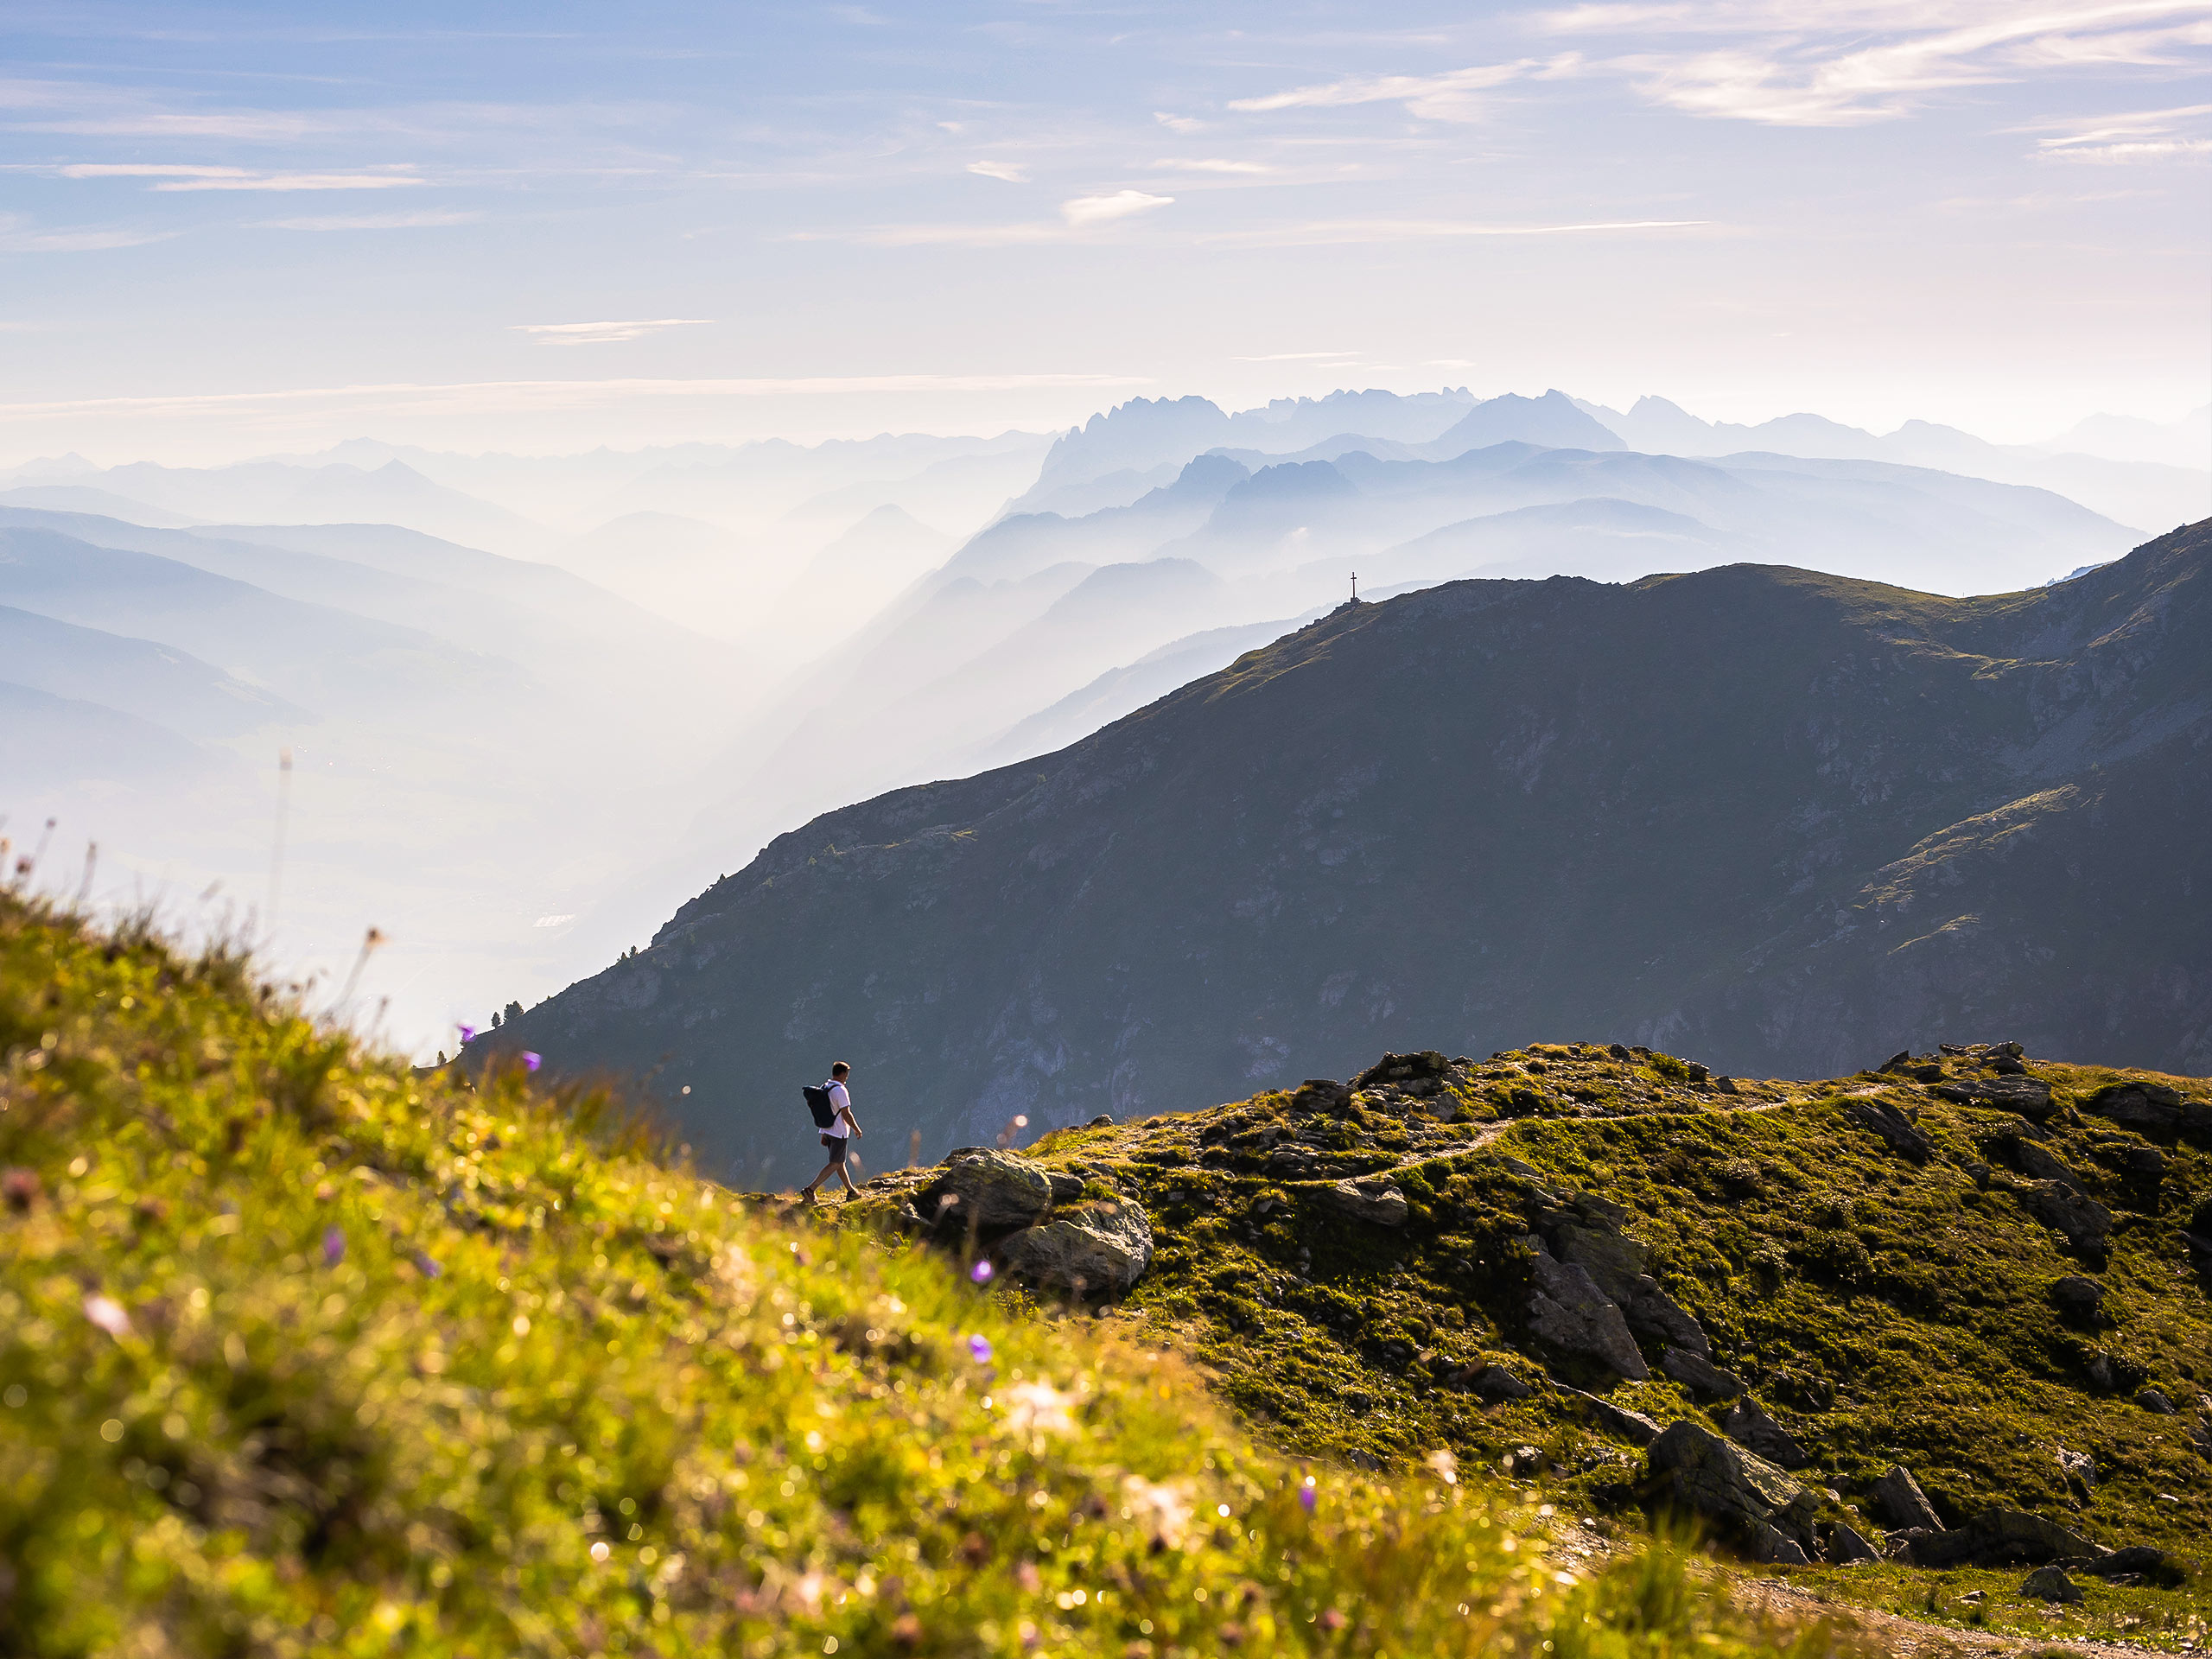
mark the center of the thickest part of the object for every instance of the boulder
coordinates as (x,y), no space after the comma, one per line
(1897,1131)
(1842,1544)
(1748,1425)
(2087,1223)
(2079,1300)
(2030,1097)
(1700,1375)
(1100,1248)
(1497,1385)
(1567,1311)
(2140,1559)
(2020,1154)
(1369,1198)
(2150,1108)
(1763,1507)
(1591,1233)
(1618,1420)
(2079,1468)
(986,1189)
(2154,1400)
(2001,1538)
(2050,1584)
(1899,1503)
(1321,1094)
(1066,1187)
(1103,1120)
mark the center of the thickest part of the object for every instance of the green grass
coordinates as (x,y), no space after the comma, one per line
(303,1352)
(1888,1310)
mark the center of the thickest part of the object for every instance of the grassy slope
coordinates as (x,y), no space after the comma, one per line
(1887,1311)
(300,1352)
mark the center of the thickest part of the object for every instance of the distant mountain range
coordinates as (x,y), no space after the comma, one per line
(1777,820)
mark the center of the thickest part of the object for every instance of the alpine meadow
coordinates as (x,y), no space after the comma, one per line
(1015,831)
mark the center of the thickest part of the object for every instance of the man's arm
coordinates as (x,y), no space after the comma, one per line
(845,1111)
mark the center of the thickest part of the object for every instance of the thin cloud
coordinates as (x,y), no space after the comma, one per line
(1445,97)
(538,395)
(1100,210)
(171,176)
(2140,137)
(368,221)
(1177,164)
(603,333)
(1004,170)
(17,236)
(1326,232)
(1182,123)
(378,180)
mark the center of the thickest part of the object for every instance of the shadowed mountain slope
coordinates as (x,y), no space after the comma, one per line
(1778,819)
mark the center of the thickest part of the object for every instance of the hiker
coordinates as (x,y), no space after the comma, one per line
(842,1123)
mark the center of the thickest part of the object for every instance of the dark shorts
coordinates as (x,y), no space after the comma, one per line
(835,1143)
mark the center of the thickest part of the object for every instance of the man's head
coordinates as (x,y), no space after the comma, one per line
(840,1071)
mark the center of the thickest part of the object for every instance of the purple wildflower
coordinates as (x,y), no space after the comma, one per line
(468,1034)
(979,1350)
(531,1062)
(1306,1499)
(981,1272)
(333,1246)
(426,1266)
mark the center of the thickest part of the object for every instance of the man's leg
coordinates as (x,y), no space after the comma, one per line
(822,1175)
(844,1174)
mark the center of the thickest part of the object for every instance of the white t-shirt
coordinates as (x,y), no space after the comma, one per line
(841,1101)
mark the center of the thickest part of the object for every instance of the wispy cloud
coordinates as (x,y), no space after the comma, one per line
(1182,123)
(1005,171)
(604,334)
(1323,232)
(541,394)
(368,221)
(1100,210)
(1446,97)
(1178,164)
(183,176)
(1811,64)
(2140,137)
(18,235)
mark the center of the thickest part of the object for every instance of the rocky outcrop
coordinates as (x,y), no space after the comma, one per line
(1770,1513)
(2000,1538)
(1099,1248)
(1842,1544)
(1569,1311)
(1900,1504)
(1590,1233)
(2020,1154)
(1618,1420)
(1700,1374)
(1748,1425)
(1897,1131)
(2064,1209)
(2030,1097)
(2050,1584)
(986,1189)
(2080,1300)
(2151,1108)
(1369,1198)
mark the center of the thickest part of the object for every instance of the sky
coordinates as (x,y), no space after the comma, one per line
(228,231)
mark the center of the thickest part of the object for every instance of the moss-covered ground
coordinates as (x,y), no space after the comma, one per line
(302,1352)
(1886,1308)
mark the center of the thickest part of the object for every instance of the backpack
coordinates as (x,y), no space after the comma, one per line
(817,1102)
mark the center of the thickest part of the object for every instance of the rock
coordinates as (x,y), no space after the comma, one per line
(2150,1108)
(2078,1299)
(2017,1153)
(2079,1467)
(2087,1223)
(991,1189)
(1101,1248)
(1366,1198)
(1402,1068)
(1748,1425)
(1842,1544)
(2139,1559)
(1497,1385)
(1700,1374)
(1618,1051)
(1568,1310)
(2154,1400)
(1295,1163)
(2029,1096)
(1066,1188)
(1103,1120)
(1900,1504)
(2199,1233)
(1589,1232)
(1768,1545)
(1725,1086)
(1743,1491)
(2050,1584)
(1321,1094)
(1898,1061)
(2001,1538)
(1699,1074)
(1616,1420)
(1897,1130)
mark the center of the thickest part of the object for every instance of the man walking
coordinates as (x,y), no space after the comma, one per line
(834,1142)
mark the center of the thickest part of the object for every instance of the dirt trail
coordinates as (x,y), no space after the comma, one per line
(1910,1638)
